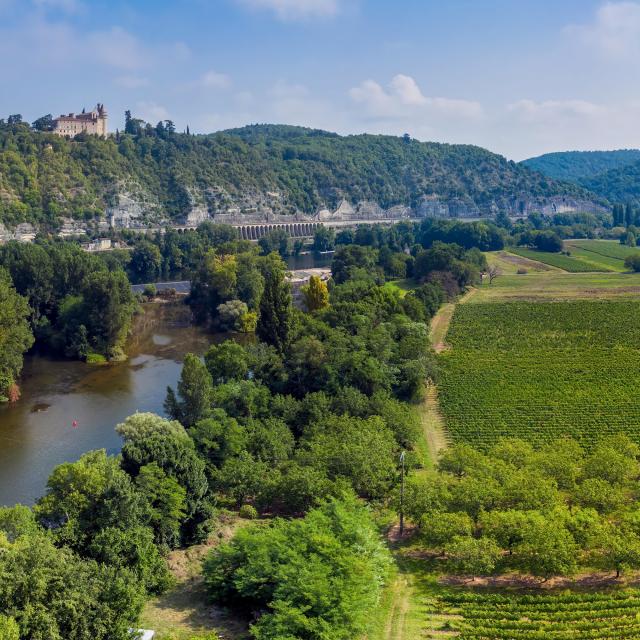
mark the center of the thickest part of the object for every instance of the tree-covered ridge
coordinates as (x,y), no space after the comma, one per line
(618,185)
(44,177)
(581,166)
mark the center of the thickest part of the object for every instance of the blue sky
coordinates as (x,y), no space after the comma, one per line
(520,77)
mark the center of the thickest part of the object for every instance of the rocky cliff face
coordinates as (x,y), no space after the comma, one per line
(131,211)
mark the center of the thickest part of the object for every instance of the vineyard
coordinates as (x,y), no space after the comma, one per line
(558,616)
(560,260)
(542,370)
(605,253)
(608,248)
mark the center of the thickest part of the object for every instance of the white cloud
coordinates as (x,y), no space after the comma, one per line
(550,110)
(291,10)
(407,90)
(215,80)
(615,30)
(403,99)
(151,112)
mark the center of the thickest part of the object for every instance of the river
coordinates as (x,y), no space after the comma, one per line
(37,432)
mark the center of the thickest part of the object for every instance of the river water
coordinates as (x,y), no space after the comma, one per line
(37,432)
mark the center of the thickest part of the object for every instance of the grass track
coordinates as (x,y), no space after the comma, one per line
(566,263)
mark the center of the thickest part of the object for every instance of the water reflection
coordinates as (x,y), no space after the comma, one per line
(68,408)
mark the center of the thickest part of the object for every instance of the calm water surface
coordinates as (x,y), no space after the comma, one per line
(37,432)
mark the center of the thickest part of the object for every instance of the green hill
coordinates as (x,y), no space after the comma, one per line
(161,175)
(578,166)
(617,185)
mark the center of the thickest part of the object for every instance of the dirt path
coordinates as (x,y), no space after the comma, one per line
(441,321)
(433,425)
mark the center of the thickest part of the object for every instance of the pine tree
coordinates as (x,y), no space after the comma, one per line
(274,324)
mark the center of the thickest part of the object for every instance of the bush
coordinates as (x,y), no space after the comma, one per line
(96,358)
(150,291)
(316,577)
(633,262)
(248,512)
(522,272)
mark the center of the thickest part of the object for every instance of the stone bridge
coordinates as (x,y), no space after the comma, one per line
(293,229)
(256,230)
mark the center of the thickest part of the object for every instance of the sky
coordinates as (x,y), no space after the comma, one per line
(519,77)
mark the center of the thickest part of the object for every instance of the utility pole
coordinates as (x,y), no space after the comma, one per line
(402,495)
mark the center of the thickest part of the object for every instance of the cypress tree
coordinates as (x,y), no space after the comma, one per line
(276,313)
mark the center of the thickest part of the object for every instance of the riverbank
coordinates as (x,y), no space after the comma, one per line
(37,432)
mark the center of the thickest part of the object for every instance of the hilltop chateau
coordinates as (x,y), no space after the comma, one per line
(94,122)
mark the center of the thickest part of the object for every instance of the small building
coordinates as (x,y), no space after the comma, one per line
(142,634)
(94,122)
(101,244)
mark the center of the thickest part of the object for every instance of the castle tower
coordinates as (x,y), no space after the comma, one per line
(94,123)
(101,120)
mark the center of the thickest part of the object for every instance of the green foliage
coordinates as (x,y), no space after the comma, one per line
(502,511)
(315,294)
(632,262)
(54,595)
(9,629)
(275,320)
(566,263)
(248,512)
(45,176)
(77,305)
(530,616)
(193,400)
(174,482)
(15,334)
(318,577)
(576,166)
(540,371)
(87,496)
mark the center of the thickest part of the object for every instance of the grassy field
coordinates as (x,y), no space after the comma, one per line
(403,286)
(566,263)
(608,248)
(557,285)
(607,253)
(510,263)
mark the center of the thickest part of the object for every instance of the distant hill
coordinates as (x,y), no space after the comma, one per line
(620,185)
(152,175)
(578,166)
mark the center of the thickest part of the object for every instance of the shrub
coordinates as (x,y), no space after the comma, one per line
(633,262)
(248,512)
(96,358)
(314,578)
(150,291)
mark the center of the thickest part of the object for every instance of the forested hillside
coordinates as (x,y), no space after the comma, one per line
(580,166)
(287,169)
(618,185)
(612,175)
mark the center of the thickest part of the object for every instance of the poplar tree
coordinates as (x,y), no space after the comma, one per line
(274,324)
